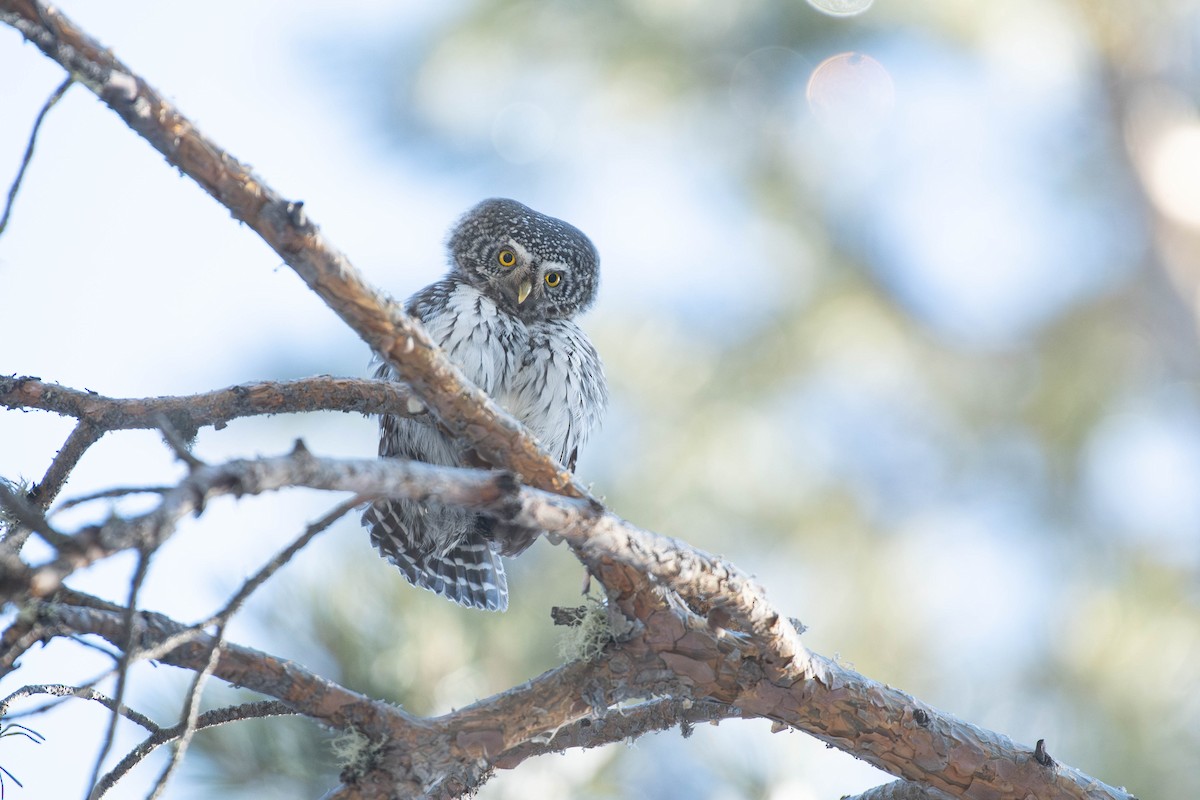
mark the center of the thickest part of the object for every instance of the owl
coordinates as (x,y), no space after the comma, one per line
(505,315)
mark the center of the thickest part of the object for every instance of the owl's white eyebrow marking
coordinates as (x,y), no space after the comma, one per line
(555,266)
(521,251)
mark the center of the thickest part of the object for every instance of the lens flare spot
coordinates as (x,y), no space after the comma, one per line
(841,8)
(851,93)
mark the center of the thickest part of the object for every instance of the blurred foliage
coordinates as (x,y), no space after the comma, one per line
(930,504)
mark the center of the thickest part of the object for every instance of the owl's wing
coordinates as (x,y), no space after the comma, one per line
(434,547)
(586,396)
(432,299)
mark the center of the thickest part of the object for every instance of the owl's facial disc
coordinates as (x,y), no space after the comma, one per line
(533,266)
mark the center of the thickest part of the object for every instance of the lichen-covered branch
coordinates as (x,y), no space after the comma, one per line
(621,724)
(83,692)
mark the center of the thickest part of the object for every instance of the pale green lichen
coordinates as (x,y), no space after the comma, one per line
(355,751)
(20,488)
(586,640)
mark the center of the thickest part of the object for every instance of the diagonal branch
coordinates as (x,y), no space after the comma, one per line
(82,436)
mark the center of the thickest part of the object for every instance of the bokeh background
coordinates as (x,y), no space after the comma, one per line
(899,309)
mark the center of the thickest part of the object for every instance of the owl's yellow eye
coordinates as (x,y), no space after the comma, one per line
(506,257)
(553,279)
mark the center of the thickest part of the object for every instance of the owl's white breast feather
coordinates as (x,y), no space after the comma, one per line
(546,374)
(483,341)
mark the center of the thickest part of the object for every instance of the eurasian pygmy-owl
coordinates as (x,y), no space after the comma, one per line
(505,315)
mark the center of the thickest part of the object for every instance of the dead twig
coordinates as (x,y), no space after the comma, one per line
(55,96)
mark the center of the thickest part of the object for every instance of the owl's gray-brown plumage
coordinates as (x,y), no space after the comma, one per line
(504,314)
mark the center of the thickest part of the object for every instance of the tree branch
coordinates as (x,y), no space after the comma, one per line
(82,436)
(673,652)
(298,688)
(189,413)
(98,414)
(619,725)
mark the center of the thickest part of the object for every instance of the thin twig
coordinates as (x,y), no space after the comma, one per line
(191,714)
(99,648)
(177,443)
(135,585)
(251,584)
(55,96)
(105,494)
(282,557)
(21,635)
(209,719)
(192,705)
(65,691)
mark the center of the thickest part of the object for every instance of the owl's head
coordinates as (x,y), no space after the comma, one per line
(533,266)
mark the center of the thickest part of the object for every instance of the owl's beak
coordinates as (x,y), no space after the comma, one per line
(523,290)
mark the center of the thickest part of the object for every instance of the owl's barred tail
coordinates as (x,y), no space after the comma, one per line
(471,573)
